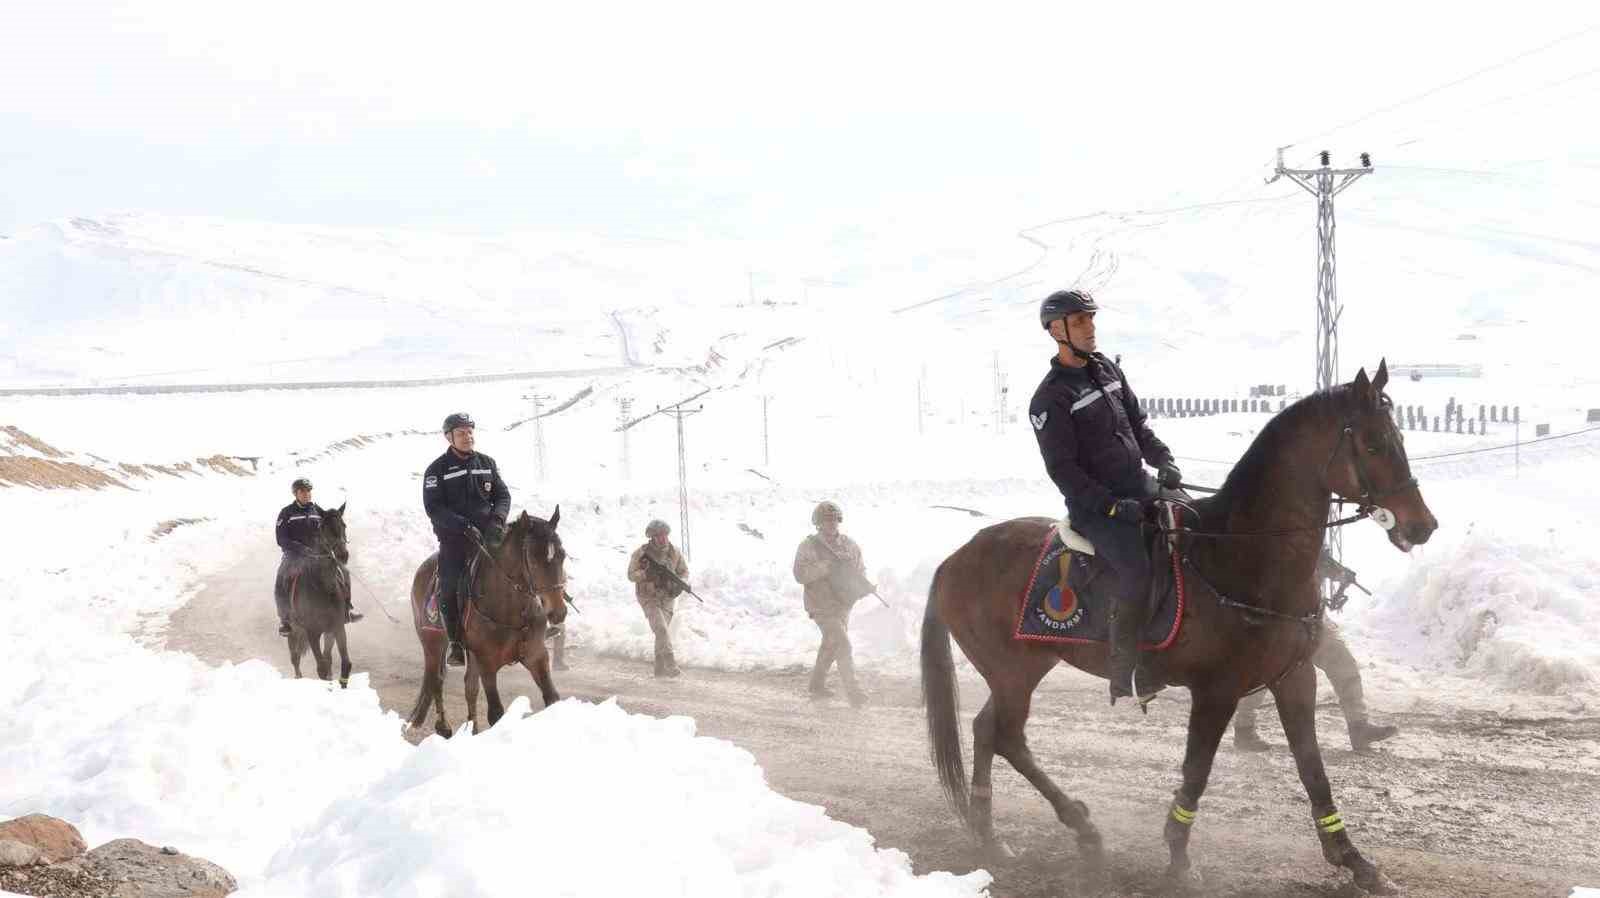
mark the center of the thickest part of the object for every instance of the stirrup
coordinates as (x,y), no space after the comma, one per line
(456,656)
(284,629)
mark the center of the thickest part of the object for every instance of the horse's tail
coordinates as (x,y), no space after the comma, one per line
(942,699)
(419,711)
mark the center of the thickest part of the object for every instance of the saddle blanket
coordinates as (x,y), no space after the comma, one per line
(1065,600)
(431,619)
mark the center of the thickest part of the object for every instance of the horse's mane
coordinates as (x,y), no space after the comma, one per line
(1249,473)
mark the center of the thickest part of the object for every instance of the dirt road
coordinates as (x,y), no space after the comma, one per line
(1457,805)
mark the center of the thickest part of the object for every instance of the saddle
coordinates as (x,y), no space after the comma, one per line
(1065,603)
(433,618)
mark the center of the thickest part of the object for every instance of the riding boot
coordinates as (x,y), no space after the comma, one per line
(450,611)
(283,627)
(1124,657)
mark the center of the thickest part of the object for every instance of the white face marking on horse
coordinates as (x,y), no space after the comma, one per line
(550,552)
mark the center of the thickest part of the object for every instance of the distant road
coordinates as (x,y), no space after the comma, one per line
(151,389)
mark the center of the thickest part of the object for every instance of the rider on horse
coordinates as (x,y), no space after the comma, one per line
(467,501)
(299,536)
(1093,436)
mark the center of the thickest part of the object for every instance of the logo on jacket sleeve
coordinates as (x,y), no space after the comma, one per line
(430,482)
(1038,420)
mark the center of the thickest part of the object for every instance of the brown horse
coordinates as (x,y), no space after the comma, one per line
(518,591)
(320,596)
(1250,619)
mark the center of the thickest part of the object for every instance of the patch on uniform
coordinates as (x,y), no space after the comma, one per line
(1064,601)
(1038,420)
(431,482)
(487,487)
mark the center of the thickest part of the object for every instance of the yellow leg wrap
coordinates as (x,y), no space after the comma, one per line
(1183,815)
(1331,824)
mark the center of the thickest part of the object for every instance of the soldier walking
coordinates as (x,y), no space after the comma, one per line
(657,592)
(829,565)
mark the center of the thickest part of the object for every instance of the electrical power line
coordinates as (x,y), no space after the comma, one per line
(1511,60)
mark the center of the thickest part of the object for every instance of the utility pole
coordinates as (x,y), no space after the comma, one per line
(1000,394)
(1325,183)
(920,378)
(539,400)
(766,446)
(624,415)
(679,412)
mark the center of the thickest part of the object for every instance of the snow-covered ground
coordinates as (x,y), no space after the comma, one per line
(129,740)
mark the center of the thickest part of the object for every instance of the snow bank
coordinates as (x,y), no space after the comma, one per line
(1518,613)
(299,789)
(587,800)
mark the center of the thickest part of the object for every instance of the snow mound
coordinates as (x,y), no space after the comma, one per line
(1516,613)
(587,799)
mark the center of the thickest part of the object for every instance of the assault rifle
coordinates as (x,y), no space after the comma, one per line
(669,574)
(855,585)
(1328,569)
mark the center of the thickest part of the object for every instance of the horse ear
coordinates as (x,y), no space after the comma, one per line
(523,518)
(340,512)
(1382,378)
(555,517)
(1363,387)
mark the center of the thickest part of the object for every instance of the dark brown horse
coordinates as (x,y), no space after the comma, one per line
(1274,505)
(518,591)
(319,598)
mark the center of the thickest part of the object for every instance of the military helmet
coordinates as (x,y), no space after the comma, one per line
(459,419)
(1062,303)
(657,526)
(825,511)
(300,483)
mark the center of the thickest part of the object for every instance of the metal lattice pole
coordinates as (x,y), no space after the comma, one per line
(683,481)
(538,435)
(766,445)
(1325,183)
(624,415)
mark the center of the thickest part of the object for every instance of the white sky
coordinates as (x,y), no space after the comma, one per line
(801,124)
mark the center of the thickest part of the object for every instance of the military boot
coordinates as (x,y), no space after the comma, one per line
(1363,733)
(1245,738)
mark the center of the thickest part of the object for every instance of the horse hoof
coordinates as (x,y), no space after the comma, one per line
(1093,852)
(344,683)
(1374,882)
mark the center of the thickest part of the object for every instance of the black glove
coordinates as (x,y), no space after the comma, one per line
(474,534)
(1169,476)
(494,535)
(1127,511)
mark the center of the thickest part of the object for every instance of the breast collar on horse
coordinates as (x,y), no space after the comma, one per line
(1366,506)
(532,592)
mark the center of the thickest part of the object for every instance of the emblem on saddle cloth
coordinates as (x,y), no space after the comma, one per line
(1061,603)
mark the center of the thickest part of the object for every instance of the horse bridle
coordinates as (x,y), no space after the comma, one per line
(1367,502)
(529,590)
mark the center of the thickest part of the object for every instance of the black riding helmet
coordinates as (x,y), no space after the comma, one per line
(1062,303)
(300,484)
(459,419)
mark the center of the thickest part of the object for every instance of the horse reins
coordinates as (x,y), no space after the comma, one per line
(533,591)
(1366,505)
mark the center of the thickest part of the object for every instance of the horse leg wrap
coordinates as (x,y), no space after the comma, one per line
(1335,840)
(1179,822)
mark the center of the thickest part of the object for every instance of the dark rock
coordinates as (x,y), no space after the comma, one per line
(145,871)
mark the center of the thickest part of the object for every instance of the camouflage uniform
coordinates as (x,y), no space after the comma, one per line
(815,559)
(1334,658)
(658,598)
